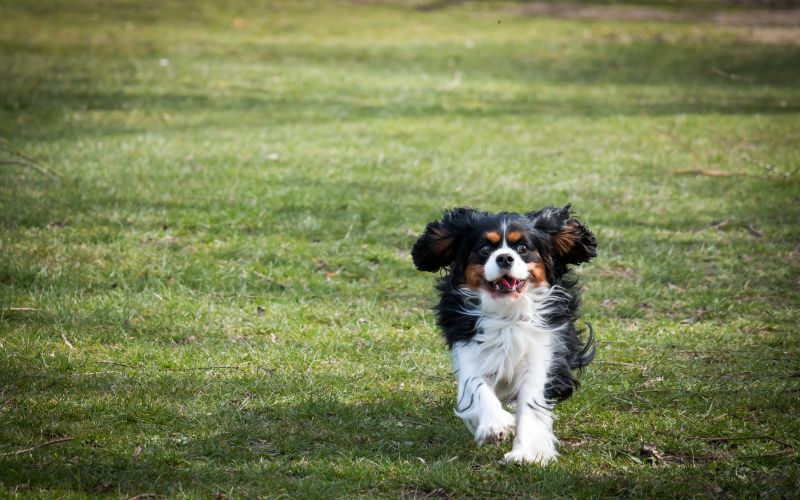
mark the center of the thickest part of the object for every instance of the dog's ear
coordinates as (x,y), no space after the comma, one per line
(438,246)
(573,243)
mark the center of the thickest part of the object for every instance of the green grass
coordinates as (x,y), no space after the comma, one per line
(223,298)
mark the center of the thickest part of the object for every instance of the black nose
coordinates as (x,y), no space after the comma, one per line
(504,260)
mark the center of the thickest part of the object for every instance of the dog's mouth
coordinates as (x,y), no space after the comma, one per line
(507,285)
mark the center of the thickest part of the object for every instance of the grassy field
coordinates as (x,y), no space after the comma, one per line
(217,296)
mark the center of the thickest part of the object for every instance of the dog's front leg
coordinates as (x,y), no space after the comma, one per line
(534,442)
(476,402)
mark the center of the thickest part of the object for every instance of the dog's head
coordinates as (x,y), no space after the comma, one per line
(503,254)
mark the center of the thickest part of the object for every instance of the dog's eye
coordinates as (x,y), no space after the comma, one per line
(522,249)
(485,250)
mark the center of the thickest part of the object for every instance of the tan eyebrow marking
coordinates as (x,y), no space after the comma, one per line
(493,237)
(514,236)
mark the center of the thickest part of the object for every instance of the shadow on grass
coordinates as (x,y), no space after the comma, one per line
(161,431)
(211,428)
(259,107)
(645,78)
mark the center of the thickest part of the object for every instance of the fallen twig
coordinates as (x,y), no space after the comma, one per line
(42,445)
(770,168)
(221,367)
(767,455)
(619,363)
(23,160)
(683,142)
(22,163)
(706,172)
(753,230)
(721,439)
(194,368)
(454,83)
(66,341)
(731,76)
(105,362)
(712,172)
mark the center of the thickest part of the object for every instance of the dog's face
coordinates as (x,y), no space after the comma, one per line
(503,254)
(503,257)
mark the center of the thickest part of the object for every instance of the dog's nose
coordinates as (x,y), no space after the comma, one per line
(504,260)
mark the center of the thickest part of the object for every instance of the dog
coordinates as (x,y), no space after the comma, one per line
(507,309)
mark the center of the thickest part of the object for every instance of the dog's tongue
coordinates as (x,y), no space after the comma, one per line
(508,283)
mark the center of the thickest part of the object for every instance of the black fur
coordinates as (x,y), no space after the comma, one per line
(560,241)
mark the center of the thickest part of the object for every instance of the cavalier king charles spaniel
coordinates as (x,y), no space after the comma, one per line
(507,309)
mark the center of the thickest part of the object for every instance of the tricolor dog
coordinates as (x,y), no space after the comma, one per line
(507,309)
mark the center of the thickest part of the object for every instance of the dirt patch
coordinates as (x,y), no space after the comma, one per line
(764,18)
(781,18)
(604,12)
(774,36)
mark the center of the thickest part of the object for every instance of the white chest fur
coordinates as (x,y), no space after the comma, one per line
(513,338)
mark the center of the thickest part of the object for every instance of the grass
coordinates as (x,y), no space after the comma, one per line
(219,293)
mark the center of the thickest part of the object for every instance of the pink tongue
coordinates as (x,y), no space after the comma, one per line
(509,282)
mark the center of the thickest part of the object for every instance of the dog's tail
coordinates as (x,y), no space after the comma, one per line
(586,354)
(564,378)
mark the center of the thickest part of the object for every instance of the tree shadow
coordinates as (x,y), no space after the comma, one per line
(191,436)
(643,77)
(206,432)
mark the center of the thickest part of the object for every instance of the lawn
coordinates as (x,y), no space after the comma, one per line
(216,297)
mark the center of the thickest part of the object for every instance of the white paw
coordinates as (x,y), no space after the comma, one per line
(496,430)
(537,457)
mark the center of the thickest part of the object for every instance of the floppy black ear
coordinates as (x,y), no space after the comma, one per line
(573,242)
(438,245)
